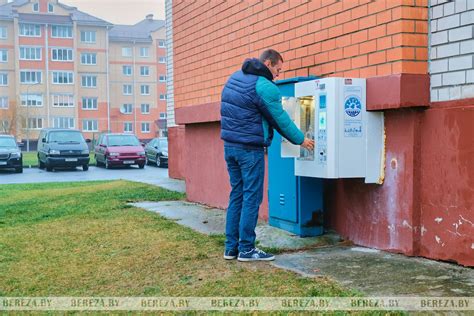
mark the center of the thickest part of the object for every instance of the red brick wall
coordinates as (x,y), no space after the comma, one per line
(359,38)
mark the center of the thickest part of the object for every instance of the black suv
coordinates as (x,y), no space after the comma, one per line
(62,148)
(10,155)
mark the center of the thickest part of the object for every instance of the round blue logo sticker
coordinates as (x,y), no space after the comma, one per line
(352,106)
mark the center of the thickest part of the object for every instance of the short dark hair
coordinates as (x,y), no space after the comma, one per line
(272,55)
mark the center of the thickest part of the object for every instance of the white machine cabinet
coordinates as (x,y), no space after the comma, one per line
(349,140)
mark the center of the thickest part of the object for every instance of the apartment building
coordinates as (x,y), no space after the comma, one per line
(56,65)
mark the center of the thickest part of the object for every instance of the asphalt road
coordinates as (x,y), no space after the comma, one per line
(150,175)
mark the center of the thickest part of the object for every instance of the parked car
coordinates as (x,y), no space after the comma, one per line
(10,154)
(157,151)
(119,150)
(62,148)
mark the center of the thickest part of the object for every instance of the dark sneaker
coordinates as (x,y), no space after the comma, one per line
(230,254)
(255,255)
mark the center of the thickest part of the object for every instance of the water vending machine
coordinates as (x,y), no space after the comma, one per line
(349,140)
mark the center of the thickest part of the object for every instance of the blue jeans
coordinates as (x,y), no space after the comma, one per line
(246,169)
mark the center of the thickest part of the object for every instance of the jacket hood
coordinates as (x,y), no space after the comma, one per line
(254,66)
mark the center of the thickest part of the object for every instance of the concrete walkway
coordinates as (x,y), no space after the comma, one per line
(373,272)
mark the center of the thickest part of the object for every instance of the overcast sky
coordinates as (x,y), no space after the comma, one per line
(120,11)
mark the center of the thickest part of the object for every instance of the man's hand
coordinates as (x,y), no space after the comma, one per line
(308,144)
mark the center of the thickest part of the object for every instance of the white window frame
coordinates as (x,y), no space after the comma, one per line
(145,108)
(162,60)
(89,37)
(50,8)
(126,125)
(3,32)
(62,100)
(127,70)
(3,79)
(162,78)
(145,89)
(160,45)
(67,77)
(69,120)
(162,97)
(144,52)
(145,71)
(127,51)
(36,75)
(30,30)
(3,103)
(126,90)
(90,104)
(31,53)
(88,58)
(147,130)
(162,115)
(38,123)
(62,54)
(89,81)
(35,100)
(90,125)
(4,126)
(127,108)
(62,31)
(35,7)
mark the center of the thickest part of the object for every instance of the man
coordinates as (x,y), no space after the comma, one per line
(250,109)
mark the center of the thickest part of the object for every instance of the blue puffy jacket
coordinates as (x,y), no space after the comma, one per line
(251,107)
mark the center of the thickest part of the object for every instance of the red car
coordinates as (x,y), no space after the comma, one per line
(119,150)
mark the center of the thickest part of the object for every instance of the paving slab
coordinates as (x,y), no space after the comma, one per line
(370,271)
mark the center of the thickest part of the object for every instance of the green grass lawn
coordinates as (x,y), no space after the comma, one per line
(83,239)
(30,159)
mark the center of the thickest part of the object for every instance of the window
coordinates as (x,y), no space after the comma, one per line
(162,115)
(145,127)
(33,30)
(3,32)
(162,96)
(126,51)
(89,125)
(127,89)
(128,127)
(127,108)
(63,100)
(144,71)
(50,8)
(89,103)
(88,36)
(4,126)
(30,53)
(89,58)
(61,54)
(145,89)
(3,103)
(144,52)
(63,77)
(145,108)
(31,99)
(63,122)
(162,60)
(61,31)
(3,79)
(27,76)
(161,43)
(36,7)
(3,55)
(89,81)
(33,123)
(127,70)
(162,78)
